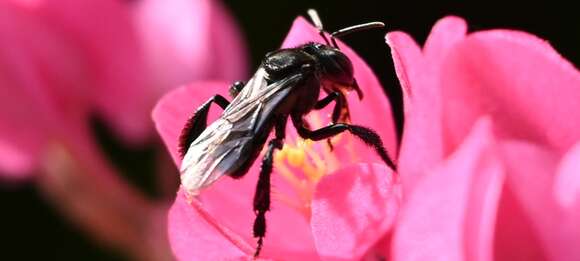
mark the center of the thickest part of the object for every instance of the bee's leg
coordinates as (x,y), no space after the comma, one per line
(340,111)
(198,122)
(262,196)
(236,88)
(367,135)
(333,96)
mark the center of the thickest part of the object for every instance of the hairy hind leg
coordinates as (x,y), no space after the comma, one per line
(262,196)
(198,122)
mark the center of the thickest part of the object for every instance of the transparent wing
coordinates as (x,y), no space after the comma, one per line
(229,142)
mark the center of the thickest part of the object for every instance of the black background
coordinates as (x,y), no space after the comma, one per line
(30,228)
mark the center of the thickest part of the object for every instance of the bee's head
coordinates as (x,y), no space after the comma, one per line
(334,65)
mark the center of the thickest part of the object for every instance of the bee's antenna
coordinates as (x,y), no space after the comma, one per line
(318,23)
(354,28)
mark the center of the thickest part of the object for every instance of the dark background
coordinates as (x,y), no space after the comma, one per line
(31,228)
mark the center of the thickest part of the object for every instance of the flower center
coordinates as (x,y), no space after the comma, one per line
(302,163)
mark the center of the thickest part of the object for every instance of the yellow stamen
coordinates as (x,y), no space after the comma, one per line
(295,157)
(286,173)
(303,163)
(316,171)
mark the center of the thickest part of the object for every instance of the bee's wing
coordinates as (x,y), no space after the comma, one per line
(228,142)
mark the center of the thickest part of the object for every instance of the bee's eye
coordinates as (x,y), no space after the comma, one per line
(311,48)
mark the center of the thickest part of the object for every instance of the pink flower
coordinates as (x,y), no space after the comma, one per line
(63,59)
(326,205)
(490,152)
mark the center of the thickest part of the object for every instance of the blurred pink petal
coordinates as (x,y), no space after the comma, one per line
(47,79)
(418,73)
(188,40)
(35,98)
(230,61)
(114,68)
(229,201)
(20,140)
(80,184)
(44,131)
(16,162)
(63,60)
(352,209)
(451,213)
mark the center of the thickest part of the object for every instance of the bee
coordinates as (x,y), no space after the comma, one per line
(286,86)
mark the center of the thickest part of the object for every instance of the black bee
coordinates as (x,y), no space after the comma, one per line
(286,85)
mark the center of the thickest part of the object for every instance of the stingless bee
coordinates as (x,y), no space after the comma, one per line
(286,86)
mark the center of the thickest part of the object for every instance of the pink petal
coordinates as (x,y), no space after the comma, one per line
(229,200)
(17,162)
(193,238)
(531,180)
(567,182)
(103,32)
(375,98)
(529,89)
(567,192)
(515,238)
(419,76)
(39,75)
(446,33)
(21,138)
(229,50)
(288,233)
(172,111)
(381,250)
(353,209)
(187,40)
(450,214)
(408,62)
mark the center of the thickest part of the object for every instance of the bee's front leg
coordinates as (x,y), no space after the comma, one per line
(340,112)
(367,135)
